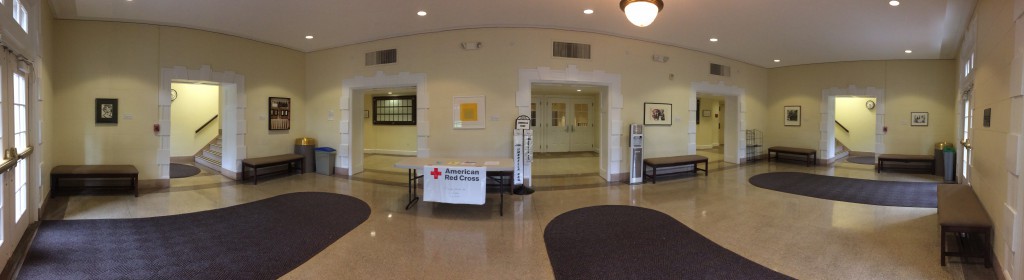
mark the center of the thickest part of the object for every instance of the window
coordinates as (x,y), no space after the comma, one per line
(21,143)
(394,110)
(20,15)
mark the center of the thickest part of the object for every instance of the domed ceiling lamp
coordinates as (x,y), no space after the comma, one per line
(641,12)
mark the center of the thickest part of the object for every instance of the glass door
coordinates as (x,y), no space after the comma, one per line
(965,137)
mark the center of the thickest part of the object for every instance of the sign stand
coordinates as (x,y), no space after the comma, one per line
(522,156)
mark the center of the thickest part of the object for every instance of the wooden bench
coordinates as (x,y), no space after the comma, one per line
(810,154)
(883,158)
(961,214)
(677,161)
(116,172)
(294,162)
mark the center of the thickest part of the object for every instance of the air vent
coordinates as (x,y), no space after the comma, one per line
(720,70)
(571,50)
(382,57)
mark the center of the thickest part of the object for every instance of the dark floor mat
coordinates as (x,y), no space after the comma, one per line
(182,170)
(869,160)
(258,240)
(626,242)
(886,193)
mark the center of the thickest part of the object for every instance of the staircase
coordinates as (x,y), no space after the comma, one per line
(841,150)
(210,155)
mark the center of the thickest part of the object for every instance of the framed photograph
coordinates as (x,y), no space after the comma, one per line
(918,118)
(280,113)
(106,110)
(792,115)
(707,113)
(366,114)
(468,112)
(657,114)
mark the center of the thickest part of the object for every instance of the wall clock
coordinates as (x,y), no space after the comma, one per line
(870,104)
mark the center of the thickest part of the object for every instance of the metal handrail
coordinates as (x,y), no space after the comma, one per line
(207,123)
(843,127)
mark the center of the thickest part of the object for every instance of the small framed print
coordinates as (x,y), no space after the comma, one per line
(918,118)
(106,110)
(366,114)
(657,114)
(707,113)
(792,115)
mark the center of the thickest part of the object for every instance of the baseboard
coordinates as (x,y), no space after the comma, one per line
(389,152)
(704,147)
(183,159)
(230,174)
(340,172)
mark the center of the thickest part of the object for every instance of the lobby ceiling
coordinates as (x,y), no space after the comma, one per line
(753,31)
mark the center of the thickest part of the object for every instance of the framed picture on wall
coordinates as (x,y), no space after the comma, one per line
(280,113)
(707,113)
(106,110)
(657,114)
(918,118)
(792,115)
(468,112)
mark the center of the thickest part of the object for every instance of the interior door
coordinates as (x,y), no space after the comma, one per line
(536,123)
(581,129)
(557,133)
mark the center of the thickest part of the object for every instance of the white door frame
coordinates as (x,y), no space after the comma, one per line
(232,110)
(827,142)
(611,115)
(734,119)
(350,151)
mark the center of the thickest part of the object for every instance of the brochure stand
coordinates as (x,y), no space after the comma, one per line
(522,156)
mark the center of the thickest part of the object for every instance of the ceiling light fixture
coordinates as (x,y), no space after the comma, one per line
(309,36)
(894,3)
(908,51)
(421,13)
(641,12)
(777,60)
(588,11)
(713,39)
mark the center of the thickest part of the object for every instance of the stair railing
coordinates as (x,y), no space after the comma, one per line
(207,123)
(843,127)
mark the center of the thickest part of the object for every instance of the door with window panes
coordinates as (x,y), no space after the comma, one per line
(568,124)
(15,140)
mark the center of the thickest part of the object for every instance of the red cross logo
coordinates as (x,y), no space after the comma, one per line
(435,173)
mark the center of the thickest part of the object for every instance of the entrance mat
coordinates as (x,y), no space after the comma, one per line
(885,193)
(627,242)
(258,240)
(182,170)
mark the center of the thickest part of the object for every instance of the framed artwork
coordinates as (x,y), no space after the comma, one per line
(106,110)
(468,112)
(366,114)
(792,115)
(657,114)
(280,113)
(707,113)
(918,118)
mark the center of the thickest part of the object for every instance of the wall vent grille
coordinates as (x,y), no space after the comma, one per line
(382,57)
(571,50)
(720,70)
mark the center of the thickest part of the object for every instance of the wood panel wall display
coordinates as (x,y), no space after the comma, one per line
(280,113)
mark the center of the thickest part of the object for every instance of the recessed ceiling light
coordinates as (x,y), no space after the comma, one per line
(714,39)
(389,92)
(908,51)
(588,11)
(894,3)
(309,36)
(778,60)
(579,90)
(421,13)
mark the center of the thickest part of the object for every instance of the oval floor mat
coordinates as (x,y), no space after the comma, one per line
(886,193)
(626,242)
(183,170)
(258,240)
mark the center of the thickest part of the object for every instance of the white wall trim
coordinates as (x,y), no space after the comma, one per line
(233,124)
(826,141)
(611,137)
(736,119)
(348,158)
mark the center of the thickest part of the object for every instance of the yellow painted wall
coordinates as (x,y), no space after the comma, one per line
(856,117)
(492,71)
(910,86)
(386,139)
(707,130)
(194,106)
(44,68)
(123,60)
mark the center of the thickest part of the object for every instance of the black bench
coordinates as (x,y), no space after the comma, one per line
(677,161)
(293,161)
(883,158)
(60,172)
(961,214)
(810,154)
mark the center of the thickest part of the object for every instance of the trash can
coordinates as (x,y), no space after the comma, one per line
(325,160)
(304,146)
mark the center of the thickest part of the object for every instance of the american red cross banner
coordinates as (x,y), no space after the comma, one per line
(454,184)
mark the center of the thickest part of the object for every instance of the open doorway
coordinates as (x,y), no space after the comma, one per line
(195,140)
(711,126)
(732,111)
(828,129)
(855,129)
(387,123)
(566,130)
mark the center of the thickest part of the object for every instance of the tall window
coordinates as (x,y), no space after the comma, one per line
(966,137)
(21,143)
(394,110)
(20,15)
